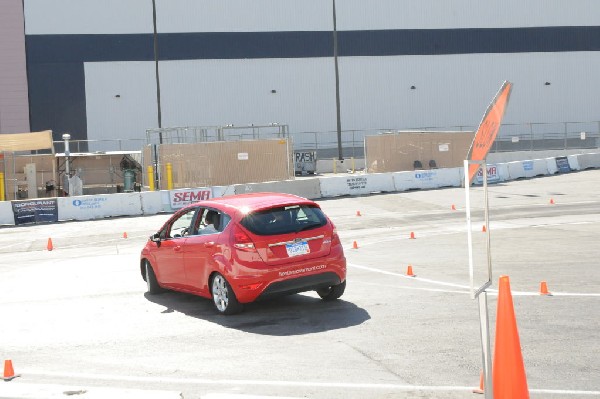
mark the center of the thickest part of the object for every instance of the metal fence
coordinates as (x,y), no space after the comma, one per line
(512,137)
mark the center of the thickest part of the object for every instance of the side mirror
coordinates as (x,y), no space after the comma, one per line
(155,237)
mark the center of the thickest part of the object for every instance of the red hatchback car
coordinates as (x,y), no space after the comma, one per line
(241,248)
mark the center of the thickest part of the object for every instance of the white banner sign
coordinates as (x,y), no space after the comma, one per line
(186,196)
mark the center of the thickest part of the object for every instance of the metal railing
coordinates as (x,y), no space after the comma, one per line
(512,137)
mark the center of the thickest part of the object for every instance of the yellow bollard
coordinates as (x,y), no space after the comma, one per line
(334,166)
(150,172)
(353,168)
(1,186)
(169,176)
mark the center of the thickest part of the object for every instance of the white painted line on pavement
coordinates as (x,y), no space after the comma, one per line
(306,384)
(490,290)
(52,391)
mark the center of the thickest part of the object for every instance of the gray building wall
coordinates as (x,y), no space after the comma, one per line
(14,105)
(221,61)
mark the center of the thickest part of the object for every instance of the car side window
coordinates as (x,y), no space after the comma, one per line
(212,221)
(181,226)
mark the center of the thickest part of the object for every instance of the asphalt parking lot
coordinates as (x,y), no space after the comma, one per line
(77,319)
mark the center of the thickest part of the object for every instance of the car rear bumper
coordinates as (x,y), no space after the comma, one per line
(310,275)
(300,284)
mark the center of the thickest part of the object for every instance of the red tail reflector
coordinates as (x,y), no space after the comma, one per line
(242,241)
(335,239)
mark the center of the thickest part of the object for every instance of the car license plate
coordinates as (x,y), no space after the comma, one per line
(298,248)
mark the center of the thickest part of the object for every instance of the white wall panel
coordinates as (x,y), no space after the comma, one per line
(438,14)
(124,117)
(451,91)
(243,15)
(455,90)
(43,17)
(220,92)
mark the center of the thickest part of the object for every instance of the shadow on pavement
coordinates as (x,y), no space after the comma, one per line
(289,315)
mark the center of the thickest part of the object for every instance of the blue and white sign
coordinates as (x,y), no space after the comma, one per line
(562,163)
(425,175)
(89,203)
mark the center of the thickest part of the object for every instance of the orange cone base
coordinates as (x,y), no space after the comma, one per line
(11,378)
(354,245)
(481,388)
(409,272)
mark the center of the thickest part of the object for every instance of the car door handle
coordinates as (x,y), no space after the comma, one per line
(209,244)
(177,248)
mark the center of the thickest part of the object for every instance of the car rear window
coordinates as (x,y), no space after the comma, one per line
(284,220)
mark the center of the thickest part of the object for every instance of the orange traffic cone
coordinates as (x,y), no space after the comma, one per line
(409,272)
(551,201)
(481,388)
(358,213)
(9,372)
(412,235)
(453,207)
(125,235)
(509,379)
(544,289)
(50,247)
(354,245)
(484,229)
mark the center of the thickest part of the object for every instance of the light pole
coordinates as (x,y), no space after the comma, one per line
(155,37)
(337,85)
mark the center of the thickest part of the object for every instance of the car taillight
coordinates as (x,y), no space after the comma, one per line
(241,241)
(335,239)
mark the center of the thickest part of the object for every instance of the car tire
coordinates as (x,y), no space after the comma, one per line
(223,296)
(332,292)
(151,281)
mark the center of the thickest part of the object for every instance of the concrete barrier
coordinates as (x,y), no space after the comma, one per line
(424,179)
(151,202)
(551,165)
(6,213)
(307,188)
(334,186)
(356,184)
(588,161)
(540,168)
(87,207)
(516,170)
(414,180)
(450,177)
(531,168)
(573,161)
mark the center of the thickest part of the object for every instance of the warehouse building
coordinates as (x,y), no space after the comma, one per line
(97,69)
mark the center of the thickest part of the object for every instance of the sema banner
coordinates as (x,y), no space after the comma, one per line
(492,175)
(186,196)
(35,211)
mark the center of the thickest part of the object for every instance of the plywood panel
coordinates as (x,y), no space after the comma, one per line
(398,151)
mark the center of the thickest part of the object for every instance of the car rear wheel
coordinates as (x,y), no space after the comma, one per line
(223,296)
(332,292)
(151,281)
